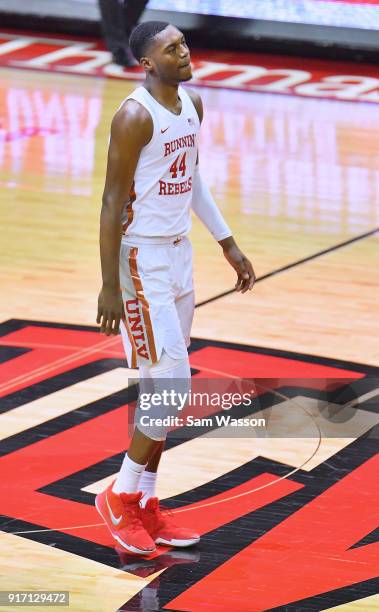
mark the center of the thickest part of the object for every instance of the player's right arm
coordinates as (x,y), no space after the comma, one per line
(132,129)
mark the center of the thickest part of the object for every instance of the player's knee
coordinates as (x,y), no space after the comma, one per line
(172,376)
(168,367)
(170,386)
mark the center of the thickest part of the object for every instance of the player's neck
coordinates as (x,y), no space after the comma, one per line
(164,93)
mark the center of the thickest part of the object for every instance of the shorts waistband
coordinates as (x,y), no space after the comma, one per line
(136,240)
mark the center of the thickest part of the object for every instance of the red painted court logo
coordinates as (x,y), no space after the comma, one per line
(308,527)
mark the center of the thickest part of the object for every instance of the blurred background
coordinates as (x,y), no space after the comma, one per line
(343,28)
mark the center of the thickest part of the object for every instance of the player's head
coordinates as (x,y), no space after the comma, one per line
(162,50)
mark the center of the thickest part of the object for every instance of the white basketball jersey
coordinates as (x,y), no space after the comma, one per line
(161,193)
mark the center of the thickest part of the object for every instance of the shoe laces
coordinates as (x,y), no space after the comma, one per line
(133,513)
(164,513)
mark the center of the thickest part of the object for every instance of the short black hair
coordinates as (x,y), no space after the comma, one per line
(143,34)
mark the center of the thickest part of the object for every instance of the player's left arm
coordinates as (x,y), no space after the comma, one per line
(206,209)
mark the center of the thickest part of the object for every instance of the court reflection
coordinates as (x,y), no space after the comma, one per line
(47,136)
(304,161)
(148,598)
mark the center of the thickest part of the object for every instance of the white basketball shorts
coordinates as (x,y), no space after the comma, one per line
(157,289)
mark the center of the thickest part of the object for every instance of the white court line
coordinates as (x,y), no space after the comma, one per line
(65,400)
(62,361)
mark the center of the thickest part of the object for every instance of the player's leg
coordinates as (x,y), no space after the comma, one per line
(134,529)
(148,481)
(140,449)
(146,286)
(168,375)
(152,314)
(119,503)
(170,533)
(185,299)
(153,463)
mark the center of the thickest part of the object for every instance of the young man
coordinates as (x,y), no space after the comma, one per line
(152,182)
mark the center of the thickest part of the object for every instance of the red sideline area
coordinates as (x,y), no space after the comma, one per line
(228,69)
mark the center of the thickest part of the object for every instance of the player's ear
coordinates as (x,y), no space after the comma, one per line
(146,64)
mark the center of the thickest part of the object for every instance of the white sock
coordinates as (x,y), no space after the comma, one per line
(128,477)
(147,485)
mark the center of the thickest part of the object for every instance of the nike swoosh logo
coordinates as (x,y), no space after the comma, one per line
(115,521)
(163,131)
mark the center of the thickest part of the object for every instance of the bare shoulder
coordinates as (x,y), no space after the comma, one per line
(197,102)
(132,120)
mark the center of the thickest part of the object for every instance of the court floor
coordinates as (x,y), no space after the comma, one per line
(289,521)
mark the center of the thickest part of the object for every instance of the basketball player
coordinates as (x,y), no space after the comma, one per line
(152,182)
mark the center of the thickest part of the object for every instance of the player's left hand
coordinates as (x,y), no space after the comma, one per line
(243,267)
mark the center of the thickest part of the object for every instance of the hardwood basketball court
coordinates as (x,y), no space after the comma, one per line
(286,521)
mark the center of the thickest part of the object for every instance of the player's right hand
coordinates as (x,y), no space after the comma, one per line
(110,311)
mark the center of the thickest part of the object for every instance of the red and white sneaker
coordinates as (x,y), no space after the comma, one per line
(122,515)
(161,527)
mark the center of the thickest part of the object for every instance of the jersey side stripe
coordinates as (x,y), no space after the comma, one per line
(129,208)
